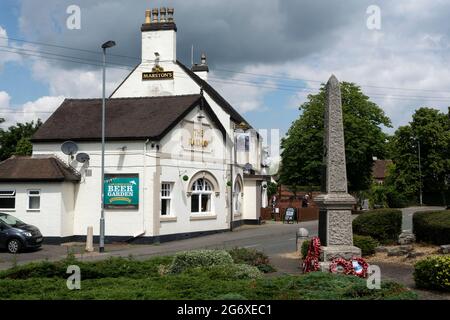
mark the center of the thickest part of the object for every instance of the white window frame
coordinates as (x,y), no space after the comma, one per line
(12,194)
(166,194)
(203,191)
(29,196)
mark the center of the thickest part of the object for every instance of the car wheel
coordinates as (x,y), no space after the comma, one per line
(14,246)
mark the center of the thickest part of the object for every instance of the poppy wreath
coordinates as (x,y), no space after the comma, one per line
(347,265)
(311,262)
(364,265)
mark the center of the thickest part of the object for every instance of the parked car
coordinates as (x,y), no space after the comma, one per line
(16,235)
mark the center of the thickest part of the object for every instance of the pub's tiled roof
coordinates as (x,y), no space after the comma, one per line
(17,169)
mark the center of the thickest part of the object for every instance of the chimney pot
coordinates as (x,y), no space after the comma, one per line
(170,12)
(203,58)
(147,16)
(155,13)
(162,14)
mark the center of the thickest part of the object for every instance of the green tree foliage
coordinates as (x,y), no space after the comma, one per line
(431,129)
(302,153)
(15,140)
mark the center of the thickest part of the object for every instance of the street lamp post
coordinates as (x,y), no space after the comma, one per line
(420,174)
(105,46)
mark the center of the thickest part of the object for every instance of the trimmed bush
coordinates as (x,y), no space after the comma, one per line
(199,258)
(432,227)
(367,244)
(304,249)
(384,225)
(433,273)
(252,257)
(227,272)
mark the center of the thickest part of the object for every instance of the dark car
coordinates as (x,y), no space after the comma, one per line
(16,235)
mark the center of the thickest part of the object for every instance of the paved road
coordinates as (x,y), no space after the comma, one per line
(275,239)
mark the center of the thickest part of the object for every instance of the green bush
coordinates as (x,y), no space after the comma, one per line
(252,257)
(367,244)
(226,272)
(432,227)
(199,258)
(109,268)
(396,200)
(433,273)
(305,248)
(383,225)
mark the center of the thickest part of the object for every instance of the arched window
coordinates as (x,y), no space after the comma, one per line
(201,196)
(237,198)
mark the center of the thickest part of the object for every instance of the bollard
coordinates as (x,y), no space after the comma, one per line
(301,234)
(90,239)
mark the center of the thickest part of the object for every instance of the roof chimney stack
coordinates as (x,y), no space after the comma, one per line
(159,34)
(201,69)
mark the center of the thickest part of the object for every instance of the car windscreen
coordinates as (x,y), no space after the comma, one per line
(10,220)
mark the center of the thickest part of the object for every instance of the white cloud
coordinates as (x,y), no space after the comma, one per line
(5,54)
(30,111)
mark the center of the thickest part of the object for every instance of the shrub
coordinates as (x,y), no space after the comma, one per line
(383,225)
(367,244)
(305,248)
(199,258)
(109,268)
(252,257)
(432,227)
(433,273)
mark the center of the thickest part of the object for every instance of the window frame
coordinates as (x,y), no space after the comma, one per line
(162,197)
(12,195)
(207,189)
(29,196)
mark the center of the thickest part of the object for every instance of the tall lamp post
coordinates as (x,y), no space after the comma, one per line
(420,174)
(106,45)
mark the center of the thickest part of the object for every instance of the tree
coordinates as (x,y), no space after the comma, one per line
(21,132)
(431,129)
(302,153)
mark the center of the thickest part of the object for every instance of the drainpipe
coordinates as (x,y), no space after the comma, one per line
(144,180)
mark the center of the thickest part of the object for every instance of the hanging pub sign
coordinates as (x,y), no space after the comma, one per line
(158,75)
(121,191)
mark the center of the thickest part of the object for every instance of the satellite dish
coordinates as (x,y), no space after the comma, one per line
(83,157)
(69,148)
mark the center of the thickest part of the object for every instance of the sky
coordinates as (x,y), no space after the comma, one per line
(265,56)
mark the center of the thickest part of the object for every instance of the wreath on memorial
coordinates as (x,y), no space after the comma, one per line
(311,262)
(356,266)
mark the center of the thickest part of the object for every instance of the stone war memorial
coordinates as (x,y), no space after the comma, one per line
(335,203)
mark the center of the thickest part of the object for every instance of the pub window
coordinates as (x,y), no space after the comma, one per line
(7,199)
(166,198)
(201,196)
(34,199)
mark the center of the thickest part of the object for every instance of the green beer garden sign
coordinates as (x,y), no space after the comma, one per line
(121,191)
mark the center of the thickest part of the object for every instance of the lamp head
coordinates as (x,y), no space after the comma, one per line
(108,44)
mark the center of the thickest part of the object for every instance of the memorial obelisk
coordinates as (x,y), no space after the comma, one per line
(335,203)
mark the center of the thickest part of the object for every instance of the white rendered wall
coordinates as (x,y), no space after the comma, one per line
(52,211)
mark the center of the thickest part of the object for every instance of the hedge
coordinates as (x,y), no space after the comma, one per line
(433,273)
(384,225)
(367,244)
(199,258)
(432,227)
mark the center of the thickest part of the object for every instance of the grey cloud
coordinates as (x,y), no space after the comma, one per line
(231,32)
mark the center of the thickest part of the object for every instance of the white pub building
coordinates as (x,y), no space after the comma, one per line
(180,161)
